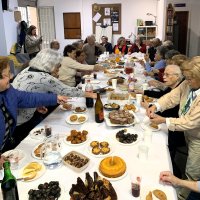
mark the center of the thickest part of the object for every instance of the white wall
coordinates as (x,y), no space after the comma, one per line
(193,6)
(10,28)
(131,10)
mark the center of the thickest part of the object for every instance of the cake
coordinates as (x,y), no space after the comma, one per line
(121,117)
(112,167)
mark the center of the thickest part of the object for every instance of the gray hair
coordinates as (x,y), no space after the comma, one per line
(176,70)
(46,60)
(169,54)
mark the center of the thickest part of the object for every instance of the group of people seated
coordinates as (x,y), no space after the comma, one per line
(51,78)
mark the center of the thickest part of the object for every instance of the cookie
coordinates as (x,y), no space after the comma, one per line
(96,150)
(81,119)
(105,150)
(104,144)
(160,194)
(73,118)
(94,144)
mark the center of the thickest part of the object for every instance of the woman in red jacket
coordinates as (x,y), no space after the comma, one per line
(138,46)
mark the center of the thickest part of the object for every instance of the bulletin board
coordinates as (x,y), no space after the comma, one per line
(107,15)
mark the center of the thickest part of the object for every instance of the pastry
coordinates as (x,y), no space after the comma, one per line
(73,118)
(149,196)
(79,109)
(94,144)
(105,150)
(30,171)
(121,117)
(96,150)
(67,106)
(153,125)
(104,144)
(160,194)
(81,119)
(112,167)
(37,151)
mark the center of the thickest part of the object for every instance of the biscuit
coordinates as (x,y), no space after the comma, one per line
(149,196)
(73,118)
(153,125)
(94,144)
(160,194)
(81,119)
(96,150)
(104,144)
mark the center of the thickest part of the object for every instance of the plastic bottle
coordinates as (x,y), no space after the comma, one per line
(99,114)
(89,101)
(9,184)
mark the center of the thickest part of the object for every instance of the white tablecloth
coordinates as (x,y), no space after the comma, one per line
(149,170)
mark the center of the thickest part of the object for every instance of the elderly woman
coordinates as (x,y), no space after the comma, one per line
(70,66)
(138,46)
(12,99)
(92,50)
(121,46)
(32,42)
(37,78)
(187,95)
(172,78)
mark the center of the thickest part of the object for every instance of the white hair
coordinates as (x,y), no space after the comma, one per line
(46,60)
(176,70)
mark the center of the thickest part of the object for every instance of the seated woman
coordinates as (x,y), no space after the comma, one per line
(154,43)
(69,66)
(187,94)
(11,99)
(37,78)
(106,44)
(172,78)
(138,46)
(121,46)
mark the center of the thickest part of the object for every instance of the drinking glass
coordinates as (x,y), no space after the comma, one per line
(50,152)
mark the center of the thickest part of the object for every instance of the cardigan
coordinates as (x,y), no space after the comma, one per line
(14,99)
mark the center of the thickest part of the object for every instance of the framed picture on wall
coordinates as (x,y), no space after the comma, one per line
(107,11)
(115,26)
(107,21)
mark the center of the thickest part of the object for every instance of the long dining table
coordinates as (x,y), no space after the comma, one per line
(158,156)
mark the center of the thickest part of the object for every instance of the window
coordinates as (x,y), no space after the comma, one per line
(72,25)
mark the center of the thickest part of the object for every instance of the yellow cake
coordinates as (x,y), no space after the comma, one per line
(112,167)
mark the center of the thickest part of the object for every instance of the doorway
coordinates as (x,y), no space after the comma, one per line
(181,31)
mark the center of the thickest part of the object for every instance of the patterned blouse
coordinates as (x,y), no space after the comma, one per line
(38,81)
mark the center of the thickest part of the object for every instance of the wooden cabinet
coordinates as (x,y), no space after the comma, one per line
(169,22)
(146,32)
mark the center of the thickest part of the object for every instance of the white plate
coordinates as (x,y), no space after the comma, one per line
(145,125)
(131,131)
(136,108)
(62,108)
(69,142)
(95,81)
(136,120)
(38,136)
(21,155)
(76,122)
(39,173)
(88,76)
(100,155)
(146,189)
(33,154)
(113,179)
(80,112)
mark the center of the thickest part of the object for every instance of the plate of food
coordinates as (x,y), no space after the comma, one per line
(66,107)
(131,107)
(111,106)
(79,109)
(76,119)
(147,124)
(121,118)
(76,138)
(153,193)
(37,150)
(16,154)
(32,171)
(100,148)
(76,161)
(103,187)
(127,137)
(38,133)
(113,168)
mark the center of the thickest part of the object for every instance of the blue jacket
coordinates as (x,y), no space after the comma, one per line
(158,65)
(14,99)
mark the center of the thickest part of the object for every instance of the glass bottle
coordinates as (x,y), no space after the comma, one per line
(9,184)
(99,114)
(89,101)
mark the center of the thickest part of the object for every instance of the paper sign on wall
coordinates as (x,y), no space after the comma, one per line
(97,17)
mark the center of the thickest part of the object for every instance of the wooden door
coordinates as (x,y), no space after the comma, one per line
(181,18)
